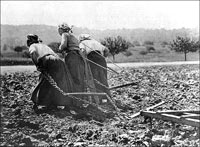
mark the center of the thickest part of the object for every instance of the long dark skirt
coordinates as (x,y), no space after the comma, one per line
(44,93)
(99,73)
(81,74)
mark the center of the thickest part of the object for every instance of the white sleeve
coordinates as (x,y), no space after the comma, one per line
(32,51)
(81,46)
(63,42)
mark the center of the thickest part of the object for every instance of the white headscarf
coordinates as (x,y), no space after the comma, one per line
(84,37)
(64,26)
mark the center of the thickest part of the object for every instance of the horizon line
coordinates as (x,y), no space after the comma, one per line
(104,29)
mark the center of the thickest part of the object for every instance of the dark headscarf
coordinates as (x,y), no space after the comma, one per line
(32,38)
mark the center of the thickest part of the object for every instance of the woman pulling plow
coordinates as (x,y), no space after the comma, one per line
(46,60)
(76,63)
(95,52)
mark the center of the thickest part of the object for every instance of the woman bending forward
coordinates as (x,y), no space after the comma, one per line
(47,61)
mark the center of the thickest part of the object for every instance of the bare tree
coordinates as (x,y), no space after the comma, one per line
(115,45)
(183,44)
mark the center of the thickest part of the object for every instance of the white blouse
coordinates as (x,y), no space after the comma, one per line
(90,45)
(39,50)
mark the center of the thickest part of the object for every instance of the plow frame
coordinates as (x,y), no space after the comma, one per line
(186,117)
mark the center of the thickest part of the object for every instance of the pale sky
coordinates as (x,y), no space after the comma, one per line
(103,14)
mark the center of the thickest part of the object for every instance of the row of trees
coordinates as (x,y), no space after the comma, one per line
(119,44)
(20,50)
(180,44)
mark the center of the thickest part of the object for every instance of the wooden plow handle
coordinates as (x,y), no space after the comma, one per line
(195,122)
(86,94)
(124,85)
(149,108)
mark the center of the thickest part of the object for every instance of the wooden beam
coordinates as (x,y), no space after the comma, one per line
(87,94)
(193,116)
(147,109)
(187,113)
(173,118)
(124,85)
(179,112)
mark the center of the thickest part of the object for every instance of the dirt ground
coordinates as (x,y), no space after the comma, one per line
(21,126)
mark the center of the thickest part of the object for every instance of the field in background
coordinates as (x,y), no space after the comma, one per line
(133,54)
(161,54)
(5,61)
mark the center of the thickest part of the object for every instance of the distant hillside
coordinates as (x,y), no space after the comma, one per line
(13,35)
(16,35)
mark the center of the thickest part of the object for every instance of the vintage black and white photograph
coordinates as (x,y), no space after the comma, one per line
(100,73)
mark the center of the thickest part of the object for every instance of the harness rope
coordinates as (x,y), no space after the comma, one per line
(110,69)
(102,55)
(105,58)
(98,82)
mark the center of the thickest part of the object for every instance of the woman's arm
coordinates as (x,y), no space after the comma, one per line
(63,44)
(33,55)
(83,48)
(106,52)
